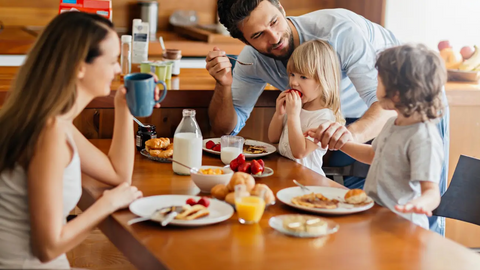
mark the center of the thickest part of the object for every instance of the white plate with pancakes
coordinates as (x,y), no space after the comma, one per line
(342,208)
(145,207)
(268,148)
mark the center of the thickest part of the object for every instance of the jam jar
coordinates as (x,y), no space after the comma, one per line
(144,134)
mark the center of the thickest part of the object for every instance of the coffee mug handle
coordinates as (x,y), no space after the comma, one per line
(164,92)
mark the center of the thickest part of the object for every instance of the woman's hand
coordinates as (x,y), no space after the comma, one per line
(121,196)
(120,96)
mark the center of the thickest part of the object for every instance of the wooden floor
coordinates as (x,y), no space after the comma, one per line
(98,253)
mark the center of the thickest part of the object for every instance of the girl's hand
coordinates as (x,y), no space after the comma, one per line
(413,207)
(280,107)
(293,104)
(121,196)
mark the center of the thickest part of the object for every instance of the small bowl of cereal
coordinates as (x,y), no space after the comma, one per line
(206,177)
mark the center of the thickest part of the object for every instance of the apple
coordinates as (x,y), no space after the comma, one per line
(467,52)
(444,44)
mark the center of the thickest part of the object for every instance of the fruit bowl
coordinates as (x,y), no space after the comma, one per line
(205,182)
(464,76)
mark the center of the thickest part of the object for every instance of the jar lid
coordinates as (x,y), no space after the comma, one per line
(188,112)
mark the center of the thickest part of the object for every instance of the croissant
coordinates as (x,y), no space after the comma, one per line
(157,144)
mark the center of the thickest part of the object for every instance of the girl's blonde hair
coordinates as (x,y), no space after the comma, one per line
(317,59)
(45,86)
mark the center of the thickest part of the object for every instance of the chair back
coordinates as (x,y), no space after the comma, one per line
(461,201)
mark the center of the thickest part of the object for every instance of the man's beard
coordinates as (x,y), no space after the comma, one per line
(288,36)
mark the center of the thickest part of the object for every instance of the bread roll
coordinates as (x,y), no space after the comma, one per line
(219,191)
(157,143)
(355,196)
(239,178)
(268,196)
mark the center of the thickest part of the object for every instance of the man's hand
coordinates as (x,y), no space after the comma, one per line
(219,67)
(331,135)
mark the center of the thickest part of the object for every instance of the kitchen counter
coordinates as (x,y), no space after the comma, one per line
(18,40)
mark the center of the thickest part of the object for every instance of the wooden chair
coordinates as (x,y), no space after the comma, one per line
(461,201)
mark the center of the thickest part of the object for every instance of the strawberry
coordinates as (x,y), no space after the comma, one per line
(241,159)
(261,162)
(191,201)
(234,165)
(245,167)
(295,90)
(204,201)
(256,168)
(210,144)
(217,147)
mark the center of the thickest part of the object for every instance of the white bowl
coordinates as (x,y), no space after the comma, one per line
(205,182)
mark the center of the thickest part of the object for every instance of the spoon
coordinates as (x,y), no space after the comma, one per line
(240,62)
(139,123)
(301,186)
(195,170)
(160,39)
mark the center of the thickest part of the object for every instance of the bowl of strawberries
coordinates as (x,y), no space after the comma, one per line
(255,167)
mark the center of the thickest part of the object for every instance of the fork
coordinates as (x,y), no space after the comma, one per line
(240,62)
(301,186)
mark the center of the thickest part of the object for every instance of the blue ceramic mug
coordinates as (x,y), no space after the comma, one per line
(141,93)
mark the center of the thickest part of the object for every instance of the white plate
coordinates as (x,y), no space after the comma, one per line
(277,223)
(269,148)
(219,211)
(267,171)
(286,195)
(144,153)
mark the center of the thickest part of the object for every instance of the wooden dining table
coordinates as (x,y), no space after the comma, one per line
(374,239)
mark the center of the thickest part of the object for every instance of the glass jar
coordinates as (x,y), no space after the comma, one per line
(126,55)
(187,144)
(144,134)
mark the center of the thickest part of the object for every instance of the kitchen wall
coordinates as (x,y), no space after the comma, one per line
(40,12)
(429,21)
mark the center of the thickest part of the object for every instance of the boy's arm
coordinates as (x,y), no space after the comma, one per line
(425,153)
(426,203)
(361,152)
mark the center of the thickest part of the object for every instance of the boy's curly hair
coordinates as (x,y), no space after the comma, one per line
(417,74)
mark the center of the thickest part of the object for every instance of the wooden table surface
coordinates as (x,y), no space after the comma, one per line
(375,239)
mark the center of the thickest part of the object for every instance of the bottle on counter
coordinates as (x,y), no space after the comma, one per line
(140,41)
(187,142)
(126,55)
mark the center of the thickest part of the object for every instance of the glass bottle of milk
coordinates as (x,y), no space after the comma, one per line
(187,144)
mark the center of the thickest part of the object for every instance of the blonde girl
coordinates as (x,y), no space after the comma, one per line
(42,154)
(314,72)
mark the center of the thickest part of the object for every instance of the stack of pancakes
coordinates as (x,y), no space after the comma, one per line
(159,147)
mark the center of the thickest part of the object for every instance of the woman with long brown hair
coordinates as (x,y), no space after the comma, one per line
(42,154)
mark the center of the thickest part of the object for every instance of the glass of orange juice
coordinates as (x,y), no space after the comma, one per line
(249,208)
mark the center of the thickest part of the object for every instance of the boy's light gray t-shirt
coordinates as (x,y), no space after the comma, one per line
(404,156)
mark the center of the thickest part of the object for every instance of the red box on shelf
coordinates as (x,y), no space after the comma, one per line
(100,7)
